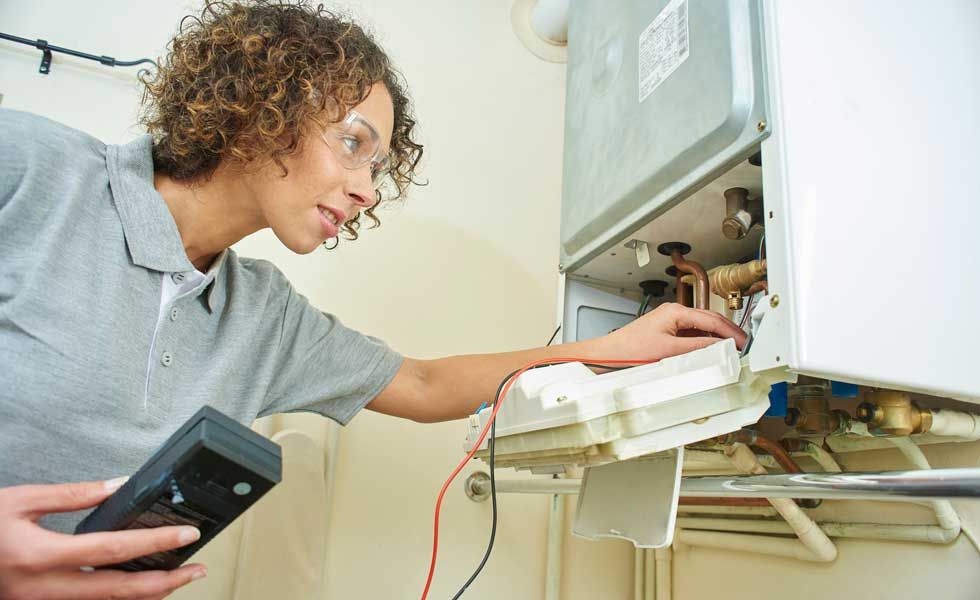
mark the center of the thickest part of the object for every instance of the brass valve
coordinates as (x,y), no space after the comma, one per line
(810,413)
(893,413)
(741,214)
(732,278)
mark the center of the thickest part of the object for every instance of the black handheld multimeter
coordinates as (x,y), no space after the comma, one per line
(206,474)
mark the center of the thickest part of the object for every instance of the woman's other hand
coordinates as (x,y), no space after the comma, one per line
(38,563)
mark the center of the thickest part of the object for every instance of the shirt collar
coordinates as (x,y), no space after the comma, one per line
(151,233)
(150,230)
(216,292)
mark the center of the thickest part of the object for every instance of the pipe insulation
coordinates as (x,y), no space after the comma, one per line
(955,423)
(811,536)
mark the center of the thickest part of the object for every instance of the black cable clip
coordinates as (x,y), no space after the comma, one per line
(45,67)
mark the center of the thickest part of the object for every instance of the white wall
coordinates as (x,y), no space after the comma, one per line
(467,264)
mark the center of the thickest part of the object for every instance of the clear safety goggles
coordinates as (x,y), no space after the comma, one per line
(356,143)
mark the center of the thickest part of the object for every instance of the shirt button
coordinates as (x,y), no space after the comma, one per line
(177,277)
(166,359)
(174,313)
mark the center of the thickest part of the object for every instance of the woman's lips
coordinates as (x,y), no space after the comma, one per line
(331,219)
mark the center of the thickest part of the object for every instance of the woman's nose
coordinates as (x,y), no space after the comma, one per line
(360,188)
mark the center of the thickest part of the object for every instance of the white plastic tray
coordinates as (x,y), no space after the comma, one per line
(566,414)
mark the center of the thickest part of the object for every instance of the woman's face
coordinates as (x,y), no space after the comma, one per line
(320,193)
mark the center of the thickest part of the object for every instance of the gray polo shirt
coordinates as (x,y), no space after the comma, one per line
(94,372)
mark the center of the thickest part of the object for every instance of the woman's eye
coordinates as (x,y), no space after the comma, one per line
(351,144)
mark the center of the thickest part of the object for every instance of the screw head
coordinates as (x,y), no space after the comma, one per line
(761,125)
(774,301)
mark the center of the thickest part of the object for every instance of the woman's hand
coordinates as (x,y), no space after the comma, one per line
(668,330)
(38,563)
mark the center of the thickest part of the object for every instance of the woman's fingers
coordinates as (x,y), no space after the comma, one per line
(33,501)
(708,322)
(682,345)
(112,547)
(97,585)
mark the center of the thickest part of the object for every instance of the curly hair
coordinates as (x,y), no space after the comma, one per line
(244,81)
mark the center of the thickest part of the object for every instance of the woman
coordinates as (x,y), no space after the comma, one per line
(123,310)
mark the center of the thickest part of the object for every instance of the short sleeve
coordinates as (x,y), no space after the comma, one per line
(325,367)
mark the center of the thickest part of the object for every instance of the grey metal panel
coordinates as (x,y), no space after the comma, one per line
(591,313)
(634,500)
(628,160)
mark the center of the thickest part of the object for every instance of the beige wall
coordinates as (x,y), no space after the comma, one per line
(468,264)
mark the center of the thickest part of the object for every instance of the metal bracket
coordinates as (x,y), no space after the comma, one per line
(642,251)
(45,67)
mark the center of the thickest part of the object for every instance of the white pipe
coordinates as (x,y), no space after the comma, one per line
(638,556)
(662,557)
(744,511)
(649,575)
(740,542)
(955,423)
(556,521)
(946,517)
(823,458)
(707,460)
(538,486)
(812,537)
(949,521)
(840,444)
(866,531)
(971,535)
(549,19)
(959,426)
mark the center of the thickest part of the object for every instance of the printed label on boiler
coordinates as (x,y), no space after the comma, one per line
(663,47)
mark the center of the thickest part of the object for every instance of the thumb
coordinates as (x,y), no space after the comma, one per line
(37,500)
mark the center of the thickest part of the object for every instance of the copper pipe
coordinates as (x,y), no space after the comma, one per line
(735,277)
(715,501)
(776,451)
(752,438)
(702,289)
(683,292)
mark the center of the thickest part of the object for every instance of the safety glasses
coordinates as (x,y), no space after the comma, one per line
(356,143)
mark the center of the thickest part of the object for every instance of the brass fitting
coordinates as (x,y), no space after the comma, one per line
(811,414)
(741,214)
(893,413)
(735,300)
(732,278)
